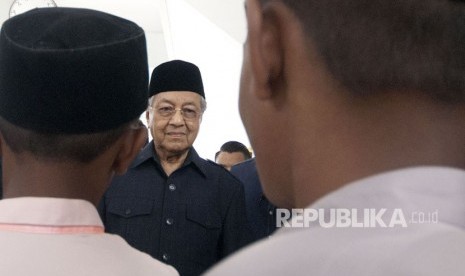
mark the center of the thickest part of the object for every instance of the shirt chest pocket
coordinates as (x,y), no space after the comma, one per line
(202,233)
(130,207)
(203,216)
(131,218)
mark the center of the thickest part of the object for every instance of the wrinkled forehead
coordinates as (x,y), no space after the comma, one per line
(177,98)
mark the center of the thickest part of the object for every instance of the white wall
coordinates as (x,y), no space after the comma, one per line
(208,33)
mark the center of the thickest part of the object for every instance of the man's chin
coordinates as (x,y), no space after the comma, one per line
(177,149)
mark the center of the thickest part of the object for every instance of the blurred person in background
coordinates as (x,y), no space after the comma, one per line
(232,153)
(261,214)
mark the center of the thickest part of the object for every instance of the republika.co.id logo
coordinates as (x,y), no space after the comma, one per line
(356,218)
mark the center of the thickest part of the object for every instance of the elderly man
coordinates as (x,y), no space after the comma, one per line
(172,204)
(362,103)
(70,100)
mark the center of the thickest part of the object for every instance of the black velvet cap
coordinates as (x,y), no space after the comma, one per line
(72,71)
(176,75)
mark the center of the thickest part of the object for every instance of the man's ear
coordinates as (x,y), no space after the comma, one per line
(1,145)
(149,117)
(264,45)
(131,144)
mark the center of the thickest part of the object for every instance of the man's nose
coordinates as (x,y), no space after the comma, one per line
(177,118)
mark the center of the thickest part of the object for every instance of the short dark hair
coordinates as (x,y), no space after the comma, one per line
(234,146)
(380,45)
(59,147)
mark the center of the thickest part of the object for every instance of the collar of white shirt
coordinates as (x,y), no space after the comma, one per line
(416,191)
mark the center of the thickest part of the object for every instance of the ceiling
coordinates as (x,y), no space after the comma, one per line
(156,16)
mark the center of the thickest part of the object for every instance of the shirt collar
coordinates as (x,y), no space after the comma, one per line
(419,189)
(413,190)
(148,152)
(49,215)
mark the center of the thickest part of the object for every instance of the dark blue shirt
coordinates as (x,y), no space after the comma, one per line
(261,214)
(190,219)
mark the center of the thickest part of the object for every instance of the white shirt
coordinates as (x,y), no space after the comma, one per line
(434,247)
(53,236)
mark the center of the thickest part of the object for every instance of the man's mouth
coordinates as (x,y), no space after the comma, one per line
(175,134)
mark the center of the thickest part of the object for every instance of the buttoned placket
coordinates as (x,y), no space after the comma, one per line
(169,218)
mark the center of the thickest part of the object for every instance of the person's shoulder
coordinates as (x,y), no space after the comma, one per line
(131,259)
(246,172)
(212,165)
(247,165)
(265,257)
(221,174)
(416,250)
(220,170)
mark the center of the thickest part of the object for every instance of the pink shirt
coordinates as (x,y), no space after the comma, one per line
(55,236)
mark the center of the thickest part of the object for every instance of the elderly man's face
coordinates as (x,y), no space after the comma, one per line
(174,120)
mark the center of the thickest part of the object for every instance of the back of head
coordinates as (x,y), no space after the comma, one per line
(70,80)
(373,46)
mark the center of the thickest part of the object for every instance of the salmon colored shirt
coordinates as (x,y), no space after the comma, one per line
(55,236)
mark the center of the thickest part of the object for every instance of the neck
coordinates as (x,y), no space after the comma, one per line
(29,178)
(387,134)
(171,161)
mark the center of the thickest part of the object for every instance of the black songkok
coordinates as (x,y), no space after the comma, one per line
(72,71)
(176,75)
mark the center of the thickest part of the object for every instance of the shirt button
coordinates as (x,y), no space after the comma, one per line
(169,221)
(271,213)
(128,211)
(172,187)
(165,257)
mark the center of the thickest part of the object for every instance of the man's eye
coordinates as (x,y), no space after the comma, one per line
(165,109)
(189,113)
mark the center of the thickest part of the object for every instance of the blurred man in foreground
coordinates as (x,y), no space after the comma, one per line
(355,110)
(73,83)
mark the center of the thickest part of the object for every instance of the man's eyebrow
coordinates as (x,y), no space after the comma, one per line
(189,103)
(163,100)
